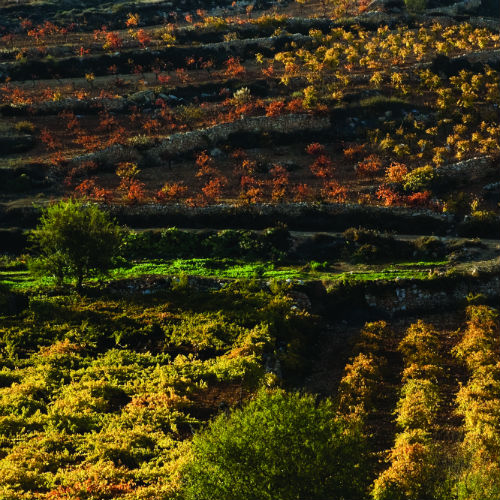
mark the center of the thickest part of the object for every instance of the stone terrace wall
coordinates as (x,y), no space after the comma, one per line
(399,297)
(473,169)
(187,142)
(408,297)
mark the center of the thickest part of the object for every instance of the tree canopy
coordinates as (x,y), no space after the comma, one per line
(74,240)
(280,446)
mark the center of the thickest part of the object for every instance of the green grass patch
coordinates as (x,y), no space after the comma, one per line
(21,279)
(228,268)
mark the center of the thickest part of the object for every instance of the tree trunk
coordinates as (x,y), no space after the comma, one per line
(79,283)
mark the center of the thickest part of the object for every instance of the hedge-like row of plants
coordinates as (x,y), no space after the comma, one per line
(478,402)
(413,471)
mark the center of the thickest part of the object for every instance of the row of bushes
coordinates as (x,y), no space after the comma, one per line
(359,389)
(478,403)
(355,244)
(413,472)
(275,243)
(272,243)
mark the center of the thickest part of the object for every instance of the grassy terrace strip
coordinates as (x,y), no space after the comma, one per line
(232,269)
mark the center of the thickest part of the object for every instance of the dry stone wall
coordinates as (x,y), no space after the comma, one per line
(187,142)
(469,170)
(413,297)
(440,293)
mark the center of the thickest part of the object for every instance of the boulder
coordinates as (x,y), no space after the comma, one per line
(143,97)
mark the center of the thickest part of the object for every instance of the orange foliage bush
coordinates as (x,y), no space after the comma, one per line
(206,165)
(275,108)
(49,140)
(333,191)
(322,167)
(112,41)
(420,199)
(304,192)
(279,183)
(135,193)
(315,149)
(388,196)
(295,106)
(369,167)
(251,189)
(234,68)
(212,190)
(395,172)
(354,151)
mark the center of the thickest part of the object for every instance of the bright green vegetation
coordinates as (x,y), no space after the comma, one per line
(226,268)
(281,445)
(175,395)
(99,397)
(237,269)
(74,240)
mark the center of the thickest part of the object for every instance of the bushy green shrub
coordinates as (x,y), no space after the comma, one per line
(420,179)
(225,243)
(272,244)
(369,245)
(279,446)
(170,243)
(430,246)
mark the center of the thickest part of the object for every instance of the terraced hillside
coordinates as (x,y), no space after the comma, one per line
(291,290)
(392,110)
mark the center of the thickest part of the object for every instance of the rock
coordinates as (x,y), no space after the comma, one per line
(467,170)
(384,5)
(463,7)
(216,152)
(143,97)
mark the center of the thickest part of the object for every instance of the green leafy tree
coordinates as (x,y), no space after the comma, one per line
(280,446)
(74,240)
